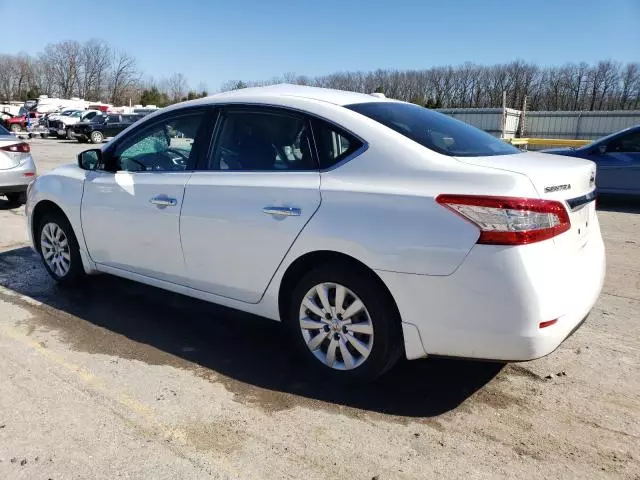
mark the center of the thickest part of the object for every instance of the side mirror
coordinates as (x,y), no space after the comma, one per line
(90,159)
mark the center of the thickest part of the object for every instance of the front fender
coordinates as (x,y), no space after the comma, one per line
(62,187)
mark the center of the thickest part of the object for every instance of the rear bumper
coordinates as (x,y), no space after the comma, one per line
(17,179)
(492,306)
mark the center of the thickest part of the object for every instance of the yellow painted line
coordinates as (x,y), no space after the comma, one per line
(94,382)
(559,142)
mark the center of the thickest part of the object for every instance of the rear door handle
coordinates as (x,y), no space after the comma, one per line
(282,211)
(163,201)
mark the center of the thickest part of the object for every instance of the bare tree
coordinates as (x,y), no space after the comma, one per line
(96,61)
(124,77)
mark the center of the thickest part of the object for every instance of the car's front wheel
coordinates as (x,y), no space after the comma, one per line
(96,137)
(345,323)
(59,249)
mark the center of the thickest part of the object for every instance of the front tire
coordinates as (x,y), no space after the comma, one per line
(344,323)
(59,249)
(96,137)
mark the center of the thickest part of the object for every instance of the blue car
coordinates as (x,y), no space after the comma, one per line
(617,157)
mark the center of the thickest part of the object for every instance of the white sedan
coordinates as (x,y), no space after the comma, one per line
(374,229)
(17,169)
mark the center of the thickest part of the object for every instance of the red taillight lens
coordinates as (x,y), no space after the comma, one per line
(548,323)
(510,220)
(17,148)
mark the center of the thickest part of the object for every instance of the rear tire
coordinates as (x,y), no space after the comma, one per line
(365,344)
(96,137)
(59,249)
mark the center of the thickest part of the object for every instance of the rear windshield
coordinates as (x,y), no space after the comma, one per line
(4,131)
(434,130)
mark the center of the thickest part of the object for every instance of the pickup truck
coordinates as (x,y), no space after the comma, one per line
(62,125)
(102,126)
(19,122)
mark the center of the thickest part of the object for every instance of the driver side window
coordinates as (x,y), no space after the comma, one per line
(165,146)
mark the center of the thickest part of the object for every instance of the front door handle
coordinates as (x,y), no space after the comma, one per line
(162,201)
(282,211)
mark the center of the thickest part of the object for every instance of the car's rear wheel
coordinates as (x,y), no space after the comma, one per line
(59,249)
(345,323)
(97,137)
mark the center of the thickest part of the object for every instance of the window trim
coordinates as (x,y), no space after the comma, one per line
(204,131)
(364,146)
(262,109)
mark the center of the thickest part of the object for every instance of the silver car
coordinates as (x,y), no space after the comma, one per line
(17,168)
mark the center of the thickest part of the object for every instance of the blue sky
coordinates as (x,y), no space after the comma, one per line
(214,41)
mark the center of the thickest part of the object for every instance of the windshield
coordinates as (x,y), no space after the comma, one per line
(76,114)
(434,130)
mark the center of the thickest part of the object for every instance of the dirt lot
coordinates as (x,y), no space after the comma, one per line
(119,380)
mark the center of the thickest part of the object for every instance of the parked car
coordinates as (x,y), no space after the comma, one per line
(617,157)
(101,127)
(17,168)
(19,122)
(372,228)
(5,116)
(62,125)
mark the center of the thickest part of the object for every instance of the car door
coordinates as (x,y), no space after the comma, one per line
(257,188)
(112,126)
(131,216)
(619,164)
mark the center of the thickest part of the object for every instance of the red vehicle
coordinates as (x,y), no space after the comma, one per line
(19,122)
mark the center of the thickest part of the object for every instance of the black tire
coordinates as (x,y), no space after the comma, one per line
(17,198)
(76,270)
(387,336)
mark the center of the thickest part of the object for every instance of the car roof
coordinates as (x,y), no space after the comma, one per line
(337,97)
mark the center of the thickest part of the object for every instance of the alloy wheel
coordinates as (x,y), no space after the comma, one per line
(336,326)
(56,252)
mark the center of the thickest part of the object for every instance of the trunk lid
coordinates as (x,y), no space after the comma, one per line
(555,177)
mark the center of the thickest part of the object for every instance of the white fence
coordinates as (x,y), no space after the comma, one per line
(563,124)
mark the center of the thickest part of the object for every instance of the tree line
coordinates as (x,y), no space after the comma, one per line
(94,70)
(606,85)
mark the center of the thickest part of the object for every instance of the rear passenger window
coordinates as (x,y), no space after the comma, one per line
(333,144)
(262,141)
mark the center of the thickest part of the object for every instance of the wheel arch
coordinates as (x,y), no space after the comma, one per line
(42,208)
(310,260)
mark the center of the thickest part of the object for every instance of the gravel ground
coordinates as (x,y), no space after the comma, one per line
(119,380)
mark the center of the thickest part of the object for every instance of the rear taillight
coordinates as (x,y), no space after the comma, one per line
(17,148)
(510,220)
